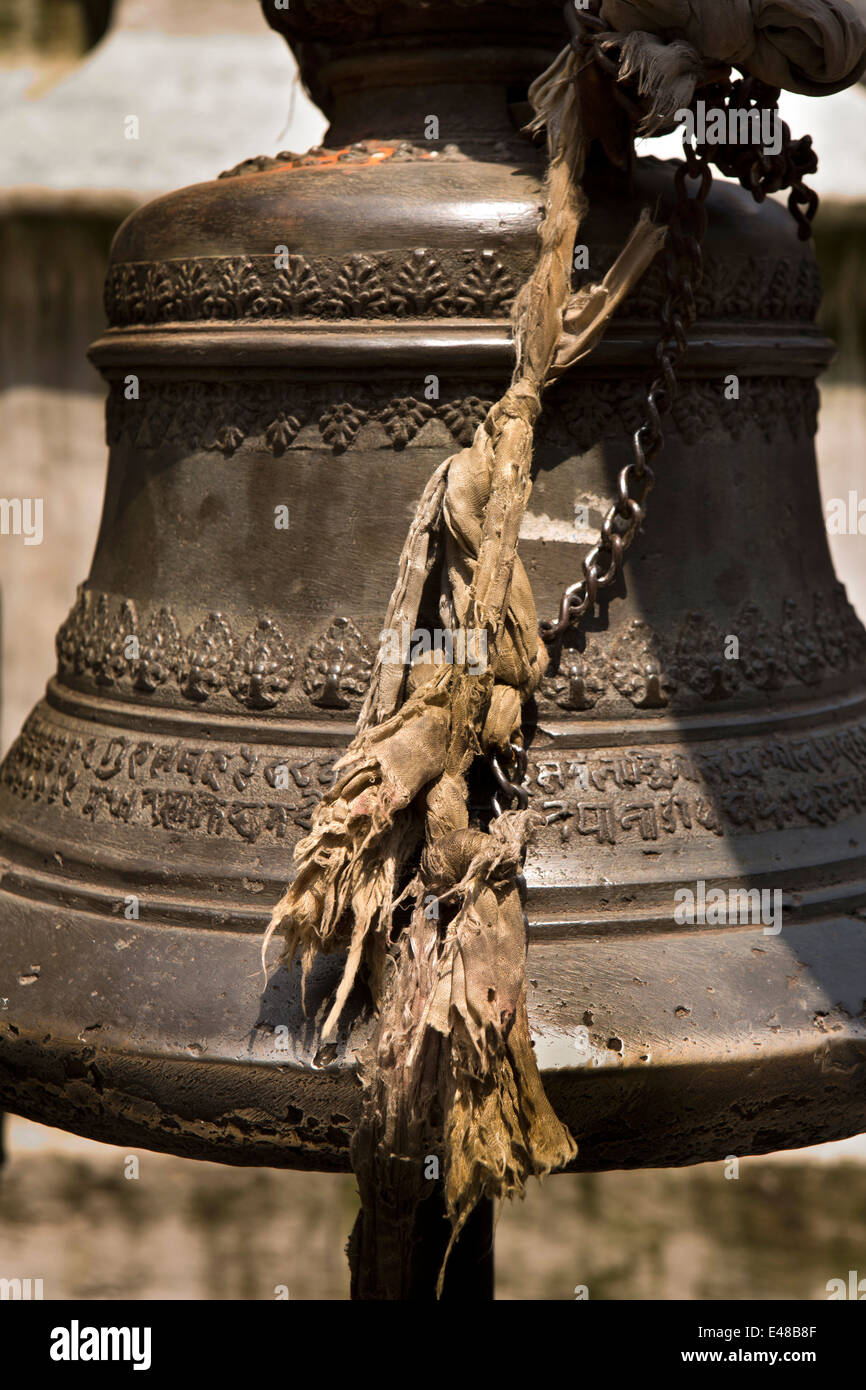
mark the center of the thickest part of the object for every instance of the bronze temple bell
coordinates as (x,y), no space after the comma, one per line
(289,411)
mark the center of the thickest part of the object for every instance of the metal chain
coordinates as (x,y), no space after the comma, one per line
(683,267)
(762,173)
(515,788)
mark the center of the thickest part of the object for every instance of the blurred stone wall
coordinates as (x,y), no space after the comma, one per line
(210,84)
(52,261)
(92,1225)
(841,244)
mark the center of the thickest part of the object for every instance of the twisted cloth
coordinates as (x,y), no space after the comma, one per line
(427,906)
(814,47)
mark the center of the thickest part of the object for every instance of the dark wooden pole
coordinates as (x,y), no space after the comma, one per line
(396,1253)
(469,1274)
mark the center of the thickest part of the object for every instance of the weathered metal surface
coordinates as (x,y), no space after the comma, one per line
(172,776)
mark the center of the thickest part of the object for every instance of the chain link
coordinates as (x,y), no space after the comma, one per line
(683,268)
(758,172)
(761,174)
(514,788)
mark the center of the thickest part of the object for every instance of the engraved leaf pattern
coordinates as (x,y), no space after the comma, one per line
(260,673)
(93,643)
(221,415)
(71,639)
(427,284)
(161,651)
(98,637)
(420,287)
(827,621)
(338,666)
(238,291)
(117,662)
(227,439)
(487,287)
(641,668)
(339,425)
(296,290)
(282,432)
(191,296)
(464,416)
(761,660)
(798,643)
(700,659)
(358,290)
(580,682)
(403,417)
(208,656)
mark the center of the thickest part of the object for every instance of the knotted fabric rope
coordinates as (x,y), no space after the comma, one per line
(814,47)
(427,906)
(453,1053)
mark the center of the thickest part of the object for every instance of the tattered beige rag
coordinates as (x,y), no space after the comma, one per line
(426,906)
(452,1069)
(453,1054)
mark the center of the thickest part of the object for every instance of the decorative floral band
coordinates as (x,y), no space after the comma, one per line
(107,643)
